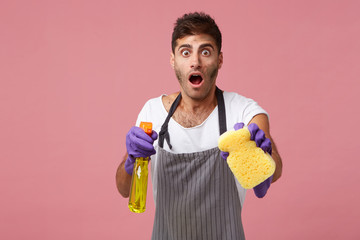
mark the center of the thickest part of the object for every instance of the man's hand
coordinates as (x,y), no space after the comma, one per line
(264,143)
(257,135)
(138,144)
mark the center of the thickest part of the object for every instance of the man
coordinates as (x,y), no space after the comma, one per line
(196,195)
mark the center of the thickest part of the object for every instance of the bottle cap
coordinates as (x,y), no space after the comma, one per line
(147,127)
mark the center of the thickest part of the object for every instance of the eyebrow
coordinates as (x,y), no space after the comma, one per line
(201,46)
(207,45)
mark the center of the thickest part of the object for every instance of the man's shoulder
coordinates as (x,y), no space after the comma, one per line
(152,110)
(234,97)
(160,102)
(154,101)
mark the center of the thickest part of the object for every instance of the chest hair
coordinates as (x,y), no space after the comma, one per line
(188,119)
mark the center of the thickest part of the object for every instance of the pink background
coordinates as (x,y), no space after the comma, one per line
(74,75)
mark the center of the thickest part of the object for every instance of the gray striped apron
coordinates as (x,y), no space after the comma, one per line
(196,196)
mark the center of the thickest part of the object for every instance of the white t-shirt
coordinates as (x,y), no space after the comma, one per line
(202,137)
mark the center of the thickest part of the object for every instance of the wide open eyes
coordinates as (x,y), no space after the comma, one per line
(205,52)
(185,53)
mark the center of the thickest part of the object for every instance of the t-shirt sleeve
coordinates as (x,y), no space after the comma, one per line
(240,109)
(153,112)
(143,114)
(252,109)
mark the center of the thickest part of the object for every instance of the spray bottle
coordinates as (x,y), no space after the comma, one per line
(138,189)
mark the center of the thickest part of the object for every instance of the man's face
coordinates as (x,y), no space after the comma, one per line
(196,62)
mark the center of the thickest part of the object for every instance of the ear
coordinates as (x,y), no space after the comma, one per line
(221,59)
(172,60)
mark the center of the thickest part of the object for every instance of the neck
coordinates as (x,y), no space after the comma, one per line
(192,105)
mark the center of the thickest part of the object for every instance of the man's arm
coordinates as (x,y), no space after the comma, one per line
(263,123)
(123,179)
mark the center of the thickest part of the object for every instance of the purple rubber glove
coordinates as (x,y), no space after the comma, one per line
(261,189)
(138,144)
(258,136)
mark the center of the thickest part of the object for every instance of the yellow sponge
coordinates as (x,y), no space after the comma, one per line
(249,163)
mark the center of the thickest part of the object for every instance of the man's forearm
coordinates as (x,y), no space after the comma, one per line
(123,179)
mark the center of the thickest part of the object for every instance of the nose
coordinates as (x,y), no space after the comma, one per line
(195,61)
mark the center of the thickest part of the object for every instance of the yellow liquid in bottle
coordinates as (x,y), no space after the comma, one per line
(138,190)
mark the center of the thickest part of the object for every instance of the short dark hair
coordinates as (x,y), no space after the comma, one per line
(195,23)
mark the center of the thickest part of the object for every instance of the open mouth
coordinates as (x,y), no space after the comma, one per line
(195,79)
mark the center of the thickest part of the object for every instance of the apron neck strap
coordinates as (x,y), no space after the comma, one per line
(164,133)
(221,111)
